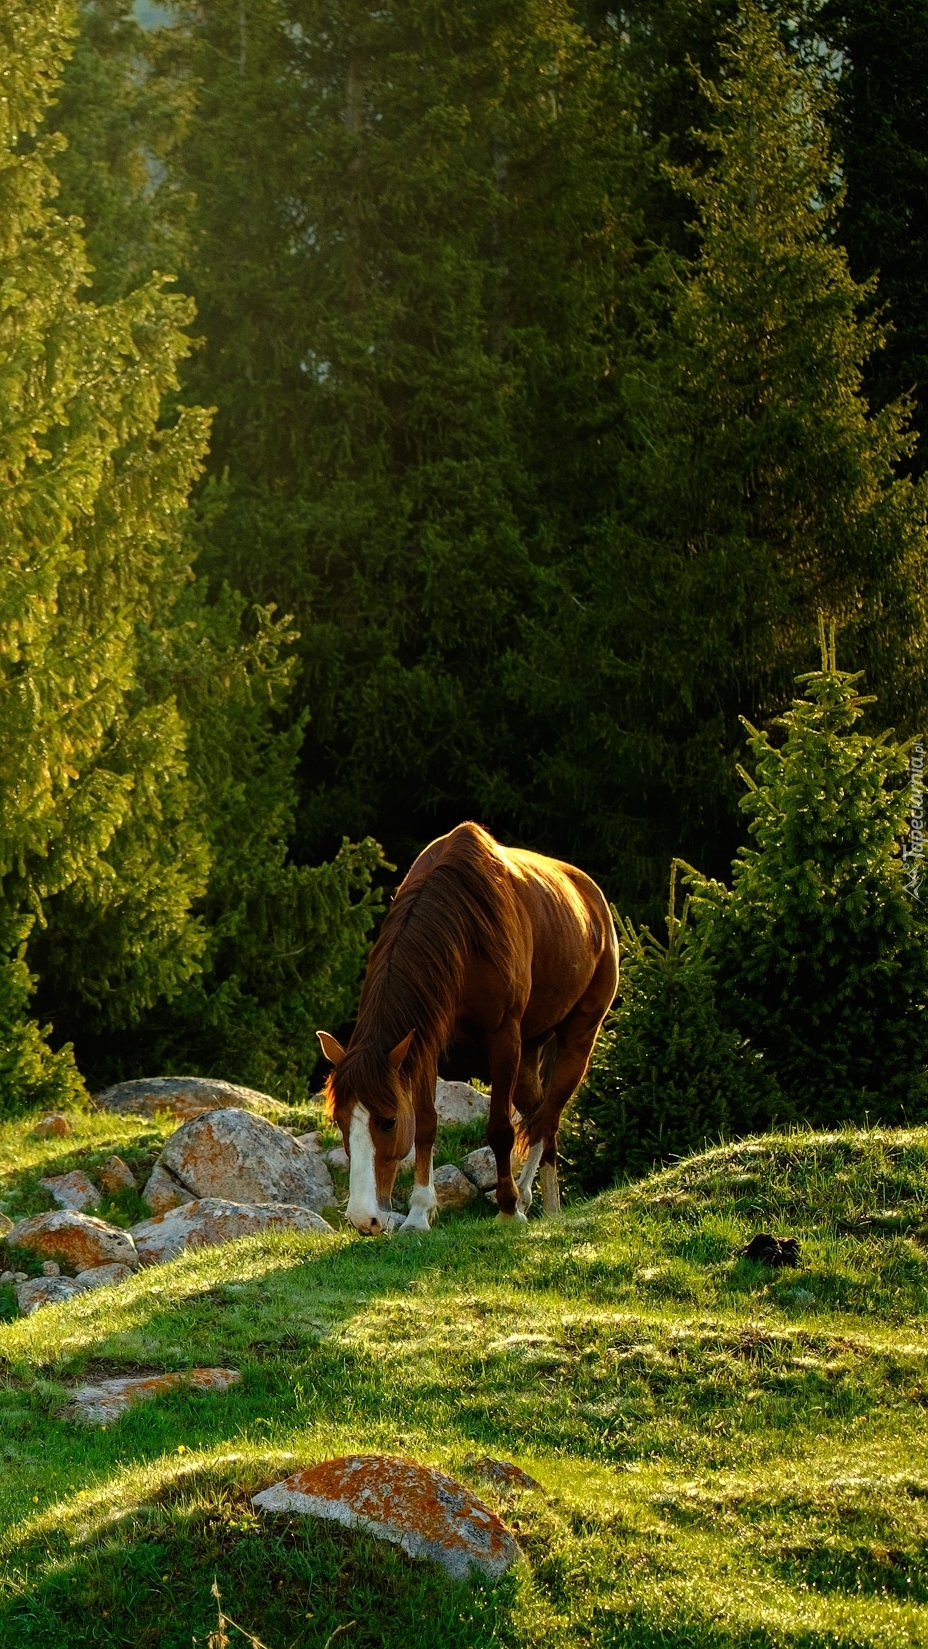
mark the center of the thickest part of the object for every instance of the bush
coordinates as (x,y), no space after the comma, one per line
(667,1074)
(820,949)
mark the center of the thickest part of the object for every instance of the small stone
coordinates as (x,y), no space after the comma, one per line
(7,1277)
(480,1168)
(39,1291)
(182,1096)
(20,1276)
(75,1190)
(162,1191)
(79,1240)
(99,1404)
(459,1102)
(116,1175)
(502,1472)
(213,1220)
(308,1141)
(6,1224)
(452,1188)
(418,1508)
(53,1125)
(337,1157)
(51,1268)
(243,1158)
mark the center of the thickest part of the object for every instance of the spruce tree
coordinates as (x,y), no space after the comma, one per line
(881,126)
(95,805)
(757,488)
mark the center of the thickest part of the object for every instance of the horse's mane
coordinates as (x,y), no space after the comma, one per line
(461,907)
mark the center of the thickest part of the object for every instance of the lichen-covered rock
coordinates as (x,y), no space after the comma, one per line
(459,1102)
(75,1190)
(480,1168)
(99,1404)
(211,1220)
(182,1096)
(116,1175)
(77,1240)
(418,1508)
(162,1191)
(452,1188)
(52,1126)
(48,1290)
(502,1472)
(245,1158)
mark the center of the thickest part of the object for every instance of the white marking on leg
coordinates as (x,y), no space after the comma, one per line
(525,1183)
(363,1209)
(550,1193)
(422,1204)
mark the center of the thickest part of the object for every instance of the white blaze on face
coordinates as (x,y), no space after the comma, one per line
(363,1210)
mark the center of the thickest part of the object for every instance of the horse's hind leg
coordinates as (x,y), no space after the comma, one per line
(575,1038)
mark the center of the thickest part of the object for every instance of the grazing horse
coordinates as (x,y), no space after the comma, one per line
(482,944)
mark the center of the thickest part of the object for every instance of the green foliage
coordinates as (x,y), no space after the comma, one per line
(881,121)
(820,949)
(95,805)
(668,1074)
(754,488)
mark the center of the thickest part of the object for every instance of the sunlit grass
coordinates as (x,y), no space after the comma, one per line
(729,1455)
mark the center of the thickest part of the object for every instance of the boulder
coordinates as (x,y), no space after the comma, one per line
(99,1404)
(116,1175)
(74,1190)
(52,1125)
(162,1191)
(212,1220)
(48,1290)
(78,1240)
(183,1096)
(244,1158)
(459,1102)
(418,1508)
(452,1188)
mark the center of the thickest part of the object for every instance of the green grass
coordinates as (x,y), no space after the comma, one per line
(730,1456)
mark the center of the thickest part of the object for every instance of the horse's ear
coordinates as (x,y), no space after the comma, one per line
(400,1051)
(331,1047)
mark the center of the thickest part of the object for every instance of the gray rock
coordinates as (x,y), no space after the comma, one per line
(244,1158)
(459,1102)
(452,1188)
(418,1508)
(41,1291)
(162,1191)
(75,1190)
(211,1220)
(51,1268)
(99,1404)
(480,1168)
(78,1240)
(337,1157)
(6,1224)
(183,1096)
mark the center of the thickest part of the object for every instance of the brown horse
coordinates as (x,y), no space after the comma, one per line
(482,944)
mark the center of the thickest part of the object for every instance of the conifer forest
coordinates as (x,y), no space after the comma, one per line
(514,411)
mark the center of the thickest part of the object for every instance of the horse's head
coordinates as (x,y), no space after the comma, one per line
(374,1110)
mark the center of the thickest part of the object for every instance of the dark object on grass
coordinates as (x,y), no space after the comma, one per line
(767,1250)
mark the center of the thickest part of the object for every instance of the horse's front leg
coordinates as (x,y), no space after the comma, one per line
(423,1201)
(505,1050)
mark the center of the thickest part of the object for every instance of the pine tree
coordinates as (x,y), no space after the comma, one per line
(757,490)
(881,126)
(95,803)
(819,947)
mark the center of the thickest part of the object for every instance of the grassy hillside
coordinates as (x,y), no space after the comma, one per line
(730,1456)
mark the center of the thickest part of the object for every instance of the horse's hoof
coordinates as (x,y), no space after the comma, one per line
(515,1218)
(421,1223)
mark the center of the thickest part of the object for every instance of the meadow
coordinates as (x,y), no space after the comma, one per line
(728,1455)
